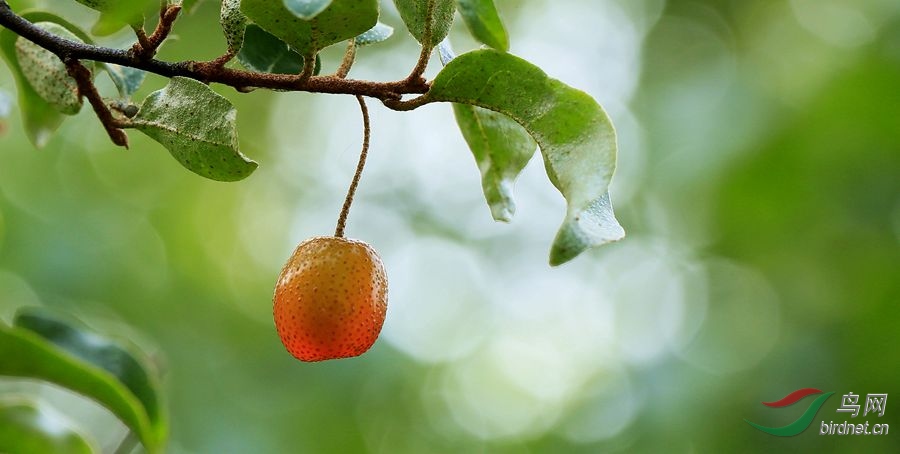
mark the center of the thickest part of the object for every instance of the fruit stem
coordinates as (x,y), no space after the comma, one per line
(345,210)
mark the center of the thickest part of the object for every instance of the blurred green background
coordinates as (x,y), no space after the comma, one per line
(759,182)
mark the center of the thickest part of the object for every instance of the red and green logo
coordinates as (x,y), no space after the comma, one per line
(803,421)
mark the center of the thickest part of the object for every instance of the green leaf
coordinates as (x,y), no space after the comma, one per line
(429,21)
(577,139)
(234,22)
(342,20)
(380,32)
(78,341)
(127,80)
(27,427)
(484,22)
(115,14)
(306,9)
(39,117)
(197,126)
(263,52)
(47,74)
(27,355)
(502,148)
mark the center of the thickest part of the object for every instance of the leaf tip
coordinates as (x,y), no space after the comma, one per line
(596,225)
(565,249)
(503,212)
(246,169)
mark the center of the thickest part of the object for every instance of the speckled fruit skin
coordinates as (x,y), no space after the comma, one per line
(330,299)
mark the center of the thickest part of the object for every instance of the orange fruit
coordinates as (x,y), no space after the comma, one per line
(330,299)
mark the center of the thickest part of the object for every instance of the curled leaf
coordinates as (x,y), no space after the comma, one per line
(576,137)
(502,148)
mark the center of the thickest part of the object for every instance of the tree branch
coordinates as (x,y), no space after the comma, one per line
(347,61)
(425,55)
(86,88)
(208,72)
(146,48)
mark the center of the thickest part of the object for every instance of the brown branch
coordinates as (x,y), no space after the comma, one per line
(347,61)
(411,104)
(425,55)
(167,16)
(309,66)
(147,46)
(208,72)
(421,64)
(348,201)
(143,41)
(86,88)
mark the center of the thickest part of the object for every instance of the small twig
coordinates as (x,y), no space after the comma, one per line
(86,88)
(168,13)
(143,42)
(309,66)
(421,64)
(345,210)
(223,59)
(347,62)
(412,104)
(425,55)
(147,46)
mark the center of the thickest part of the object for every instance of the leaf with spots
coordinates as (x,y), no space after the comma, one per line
(234,23)
(47,74)
(27,426)
(39,117)
(429,21)
(342,20)
(380,32)
(197,126)
(576,137)
(306,9)
(483,21)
